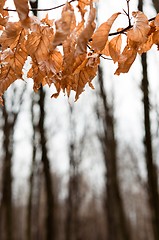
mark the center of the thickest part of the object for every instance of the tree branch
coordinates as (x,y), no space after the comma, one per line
(40,9)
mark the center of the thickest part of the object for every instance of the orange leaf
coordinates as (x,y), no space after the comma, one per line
(4,19)
(7,77)
(10,35)
(47,21)
(38,42)
(126,59)
(2,2)
(64,25)
(81,6)
(156,21)
(100,37)
(87,32)
(86,74)
(16,59)
(141,28)
(22,8)
(105,51)
(156,38)
(115,48)
(147,45)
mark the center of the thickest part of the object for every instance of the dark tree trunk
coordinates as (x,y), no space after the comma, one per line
(156,5)
(153,193)
(6,202)
(32,217)
(116,218)
(151,167)
(50,223)
(72,228)
(50,212)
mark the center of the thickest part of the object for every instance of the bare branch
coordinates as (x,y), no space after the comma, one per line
(40,9)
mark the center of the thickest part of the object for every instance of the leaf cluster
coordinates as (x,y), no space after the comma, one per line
(66,52)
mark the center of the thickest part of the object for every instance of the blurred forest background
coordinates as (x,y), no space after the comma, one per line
(81,171)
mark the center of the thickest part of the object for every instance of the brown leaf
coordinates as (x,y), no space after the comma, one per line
(47,21)
(7,77)
(22,8)
(38,42)
(156,21)
(126,59)
(115,47)
(37,75)
(4,16)
(81,6)
(64,25)
(139,32)
(87,32)
(68,79)
(105,51)
(68,55)
(155,38)
(100,37)
(85,73)
(13,60)
(147,45)
(10,35)
(2,2)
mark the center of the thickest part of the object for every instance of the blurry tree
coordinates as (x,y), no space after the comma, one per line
(116,218)
(10,112)
(156,5)
(74,200)
(152,178)
(35,181)
(50,223)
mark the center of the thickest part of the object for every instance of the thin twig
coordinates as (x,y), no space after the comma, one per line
(106,58)
(40,9)
(128,12)
(53,8)
(127,28)
(100,55)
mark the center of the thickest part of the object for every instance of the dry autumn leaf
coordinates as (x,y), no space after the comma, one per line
(115,47)
(100,37)
(125,60)
(7,77)
(39,41)
(2,2)
(64,25)
(87,32)
(85,74)
(22,8)
(140,30)
(10,35)
(81,6)
(74,64)
(156,21)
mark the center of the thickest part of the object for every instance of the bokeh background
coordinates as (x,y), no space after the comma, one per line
(85,170)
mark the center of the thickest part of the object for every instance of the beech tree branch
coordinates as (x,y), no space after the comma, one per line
(53,8)
(40,9)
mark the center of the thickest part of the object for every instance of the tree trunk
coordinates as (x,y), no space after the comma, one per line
(116,218)
(50,223)
(31,227)
(6,202)
(73,201)
(153,193)
(156,5)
